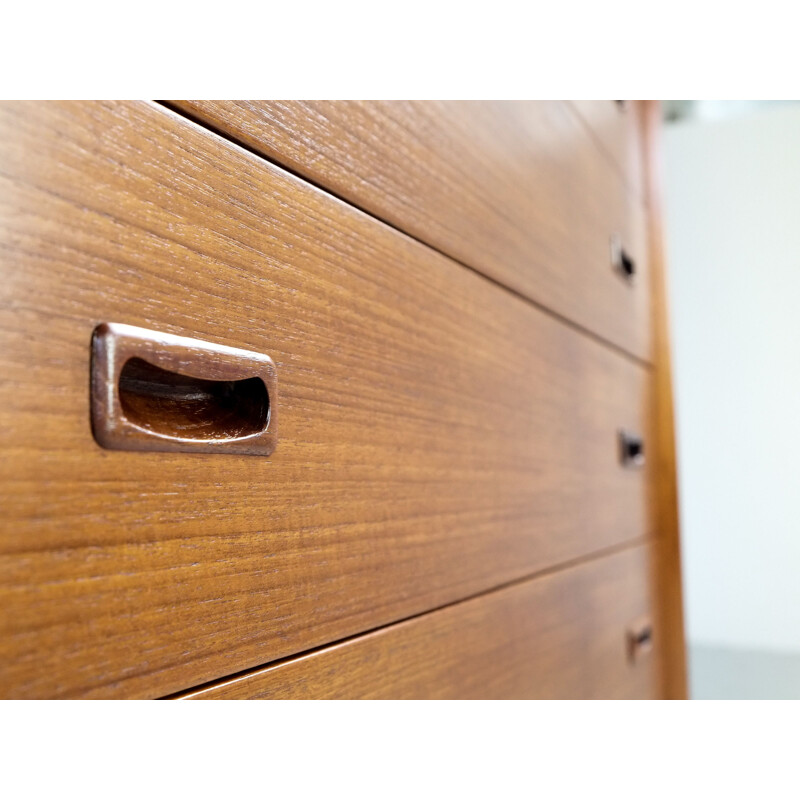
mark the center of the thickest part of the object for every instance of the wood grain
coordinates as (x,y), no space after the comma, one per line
(670,586)
(564,635)
(518,190)
(439,435)
(618,127)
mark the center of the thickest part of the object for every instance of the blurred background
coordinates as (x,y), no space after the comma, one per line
(732,215)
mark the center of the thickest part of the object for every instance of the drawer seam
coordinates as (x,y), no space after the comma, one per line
(171,108)
(597,555)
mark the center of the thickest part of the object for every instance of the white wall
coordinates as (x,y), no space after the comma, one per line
(733,234)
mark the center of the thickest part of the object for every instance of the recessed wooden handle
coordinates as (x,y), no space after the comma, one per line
(640,638)
(631,449)
(621,260)
(156,391)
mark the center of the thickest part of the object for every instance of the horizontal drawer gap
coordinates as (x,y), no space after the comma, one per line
(576,326)
(563,567)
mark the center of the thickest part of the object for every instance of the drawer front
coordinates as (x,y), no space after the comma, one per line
(618,126)
(570,634)
(522,192)
(438,436)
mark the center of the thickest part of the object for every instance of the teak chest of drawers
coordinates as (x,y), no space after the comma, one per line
(463,309)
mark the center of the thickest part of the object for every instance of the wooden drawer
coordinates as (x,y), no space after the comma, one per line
(565,635)
(438,435)
(618,126)
(522,192)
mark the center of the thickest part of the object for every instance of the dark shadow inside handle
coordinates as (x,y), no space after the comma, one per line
(631,449)
(640,640)
(621,260)
(643,637)
(626,265)
(182,407)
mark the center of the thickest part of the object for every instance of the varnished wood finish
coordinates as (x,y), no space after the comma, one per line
(563,635)
(154,391)
(618,126)
(439,435)
(519,191)
(670,587)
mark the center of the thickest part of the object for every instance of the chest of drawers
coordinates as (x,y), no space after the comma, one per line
(463,304)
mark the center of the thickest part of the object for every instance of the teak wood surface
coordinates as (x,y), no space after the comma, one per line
(619,128)
(665,464)
(518,190)
(562,635)
(439,435)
